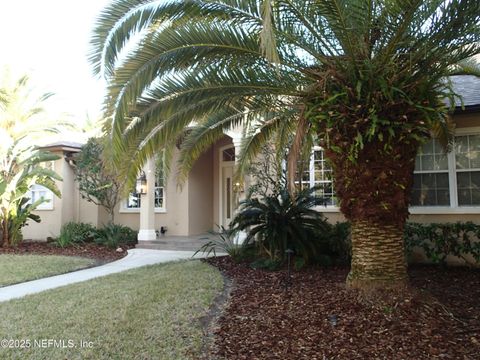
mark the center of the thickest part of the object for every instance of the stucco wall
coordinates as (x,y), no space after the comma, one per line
(51,220)
(200,195)
(467,120)
(176,214)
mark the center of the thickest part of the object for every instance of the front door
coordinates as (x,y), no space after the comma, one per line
(228,196)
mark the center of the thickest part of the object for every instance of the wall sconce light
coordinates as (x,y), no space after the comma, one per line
(238,187)
(141,184)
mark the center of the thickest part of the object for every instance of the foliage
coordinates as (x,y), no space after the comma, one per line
(367,78)
(224,241)
(113,235)
(281,222)
(339,243)
(73,233)
(19,220)
(20,168)
(97,182)
(440,240)
(268,173)
(22,110)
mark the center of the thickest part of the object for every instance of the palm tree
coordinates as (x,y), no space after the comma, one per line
(366,77)
(22,110)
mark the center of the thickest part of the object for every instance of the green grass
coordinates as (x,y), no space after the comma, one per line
(19,268)
(146,313)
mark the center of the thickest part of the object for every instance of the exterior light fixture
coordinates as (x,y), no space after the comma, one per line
(333,319)
(238,187)
(141,184)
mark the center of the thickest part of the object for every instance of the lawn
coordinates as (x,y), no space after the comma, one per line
(19,268)
(147,313)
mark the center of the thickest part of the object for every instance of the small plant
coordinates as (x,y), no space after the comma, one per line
(224,241)
(113,235)
(73,233)
(275,223)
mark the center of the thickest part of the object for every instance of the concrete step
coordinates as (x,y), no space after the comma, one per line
(175,243)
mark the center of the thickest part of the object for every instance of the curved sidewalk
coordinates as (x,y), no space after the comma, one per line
(134,259)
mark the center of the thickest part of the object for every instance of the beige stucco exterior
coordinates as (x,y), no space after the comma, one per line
(193,208)
(70,207)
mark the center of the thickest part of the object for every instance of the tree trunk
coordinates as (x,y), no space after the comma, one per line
(5,234)
(378,257)
(374,192)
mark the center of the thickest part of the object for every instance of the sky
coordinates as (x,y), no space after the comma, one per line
(49,40)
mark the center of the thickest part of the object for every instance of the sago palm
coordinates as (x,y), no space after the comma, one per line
(368,78)
(281,221)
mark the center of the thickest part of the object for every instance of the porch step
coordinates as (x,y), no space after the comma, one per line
(178,243)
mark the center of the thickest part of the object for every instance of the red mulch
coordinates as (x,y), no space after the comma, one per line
(438,318)
(89,250)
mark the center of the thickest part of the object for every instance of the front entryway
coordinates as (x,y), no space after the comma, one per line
(227,195)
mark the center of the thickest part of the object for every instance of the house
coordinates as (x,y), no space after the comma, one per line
(446,186)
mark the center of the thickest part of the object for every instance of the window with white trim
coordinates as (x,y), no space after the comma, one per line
(467,166)
(133,202)
(319,173)
(431,177)
(38,192)
(448,180)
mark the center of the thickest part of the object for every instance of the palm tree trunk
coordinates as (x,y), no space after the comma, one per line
(378,259)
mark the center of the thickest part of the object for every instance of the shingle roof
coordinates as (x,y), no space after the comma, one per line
(468,87)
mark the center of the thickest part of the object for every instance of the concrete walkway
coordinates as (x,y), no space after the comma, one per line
(134,259)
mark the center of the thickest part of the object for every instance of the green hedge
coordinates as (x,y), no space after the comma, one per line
(440,240)
(436,240)
(111,235)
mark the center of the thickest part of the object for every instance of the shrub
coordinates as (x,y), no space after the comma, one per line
(440,240)
(280,222)
(339,243)
(75,233)
(113,235)
(436,240)
(223,241)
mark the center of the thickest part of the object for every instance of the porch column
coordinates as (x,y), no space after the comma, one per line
(147,205)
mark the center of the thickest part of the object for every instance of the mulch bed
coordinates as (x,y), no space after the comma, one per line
(437,318)
(89,250)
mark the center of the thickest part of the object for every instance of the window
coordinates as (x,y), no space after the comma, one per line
(133,202)
(319,173)
(228,154)
(451,180)
(38,192)
(159,183)
(467,166)
(431,177)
